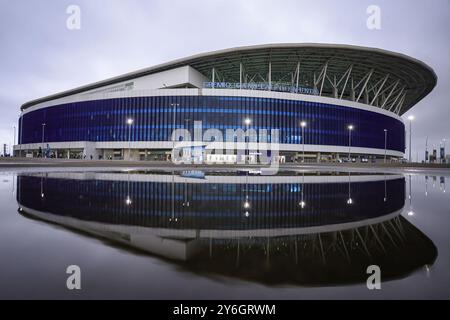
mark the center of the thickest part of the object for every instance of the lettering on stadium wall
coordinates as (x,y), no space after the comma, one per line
(280,87)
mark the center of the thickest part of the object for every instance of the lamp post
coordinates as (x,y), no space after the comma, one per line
(130,122)
(14,140)
(43,132)
(43,138)
(410,118)
(350,129)
(20,135)
(174,108)
(385,143)
(247,122)
(303,125)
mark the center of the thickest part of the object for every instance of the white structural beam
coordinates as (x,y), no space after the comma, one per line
(400,104)
(396,98)
(270,75)
(349,71)
(240,74)
(379,89)
(324,73)
(394,86)
(365,84)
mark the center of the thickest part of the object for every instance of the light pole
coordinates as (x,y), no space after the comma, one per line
(174,108)
(130,122)
(20,135)
(14,138)
(303,125)
(350,129)
(43,132)
(247,123)
(385,143)
(43,138)
(410,118)
(192,146)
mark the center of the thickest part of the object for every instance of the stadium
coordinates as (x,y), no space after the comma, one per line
(328,103)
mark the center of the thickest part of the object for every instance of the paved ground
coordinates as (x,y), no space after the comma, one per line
(65,163)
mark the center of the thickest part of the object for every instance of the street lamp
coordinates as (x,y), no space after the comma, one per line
(385,143)
(174,108)
(410,118)
(247,122)
(303,125)
(43,131)
(43,138)
(130,122)
(14,138)
(350,129)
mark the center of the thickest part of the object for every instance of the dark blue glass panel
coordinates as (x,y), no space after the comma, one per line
(105,120)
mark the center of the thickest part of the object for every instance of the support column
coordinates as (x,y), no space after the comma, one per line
(352,91)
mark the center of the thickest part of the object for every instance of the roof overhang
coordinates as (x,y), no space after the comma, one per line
(415,77)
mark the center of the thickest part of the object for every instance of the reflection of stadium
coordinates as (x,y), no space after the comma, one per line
(331,88)
(299,229)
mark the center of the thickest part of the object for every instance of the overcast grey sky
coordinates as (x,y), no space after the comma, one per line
(40,56)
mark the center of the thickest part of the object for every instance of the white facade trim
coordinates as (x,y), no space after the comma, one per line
(343,150)
(216,179)
(212,92)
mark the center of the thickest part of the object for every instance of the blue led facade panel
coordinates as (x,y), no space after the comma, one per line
(105,120)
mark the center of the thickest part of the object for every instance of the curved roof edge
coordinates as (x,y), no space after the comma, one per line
(185,61)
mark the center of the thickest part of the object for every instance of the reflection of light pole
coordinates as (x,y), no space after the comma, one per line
(303,125)
(410,118)
(385,143)
(129,123)
(247,123)
(128,200)
(302,202)
(42,187)
(410,212)
(349,200)
(246,204)
(172,218)
(350,128)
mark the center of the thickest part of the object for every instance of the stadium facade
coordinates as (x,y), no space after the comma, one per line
(326,101)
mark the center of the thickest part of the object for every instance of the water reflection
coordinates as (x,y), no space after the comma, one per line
(293,228)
